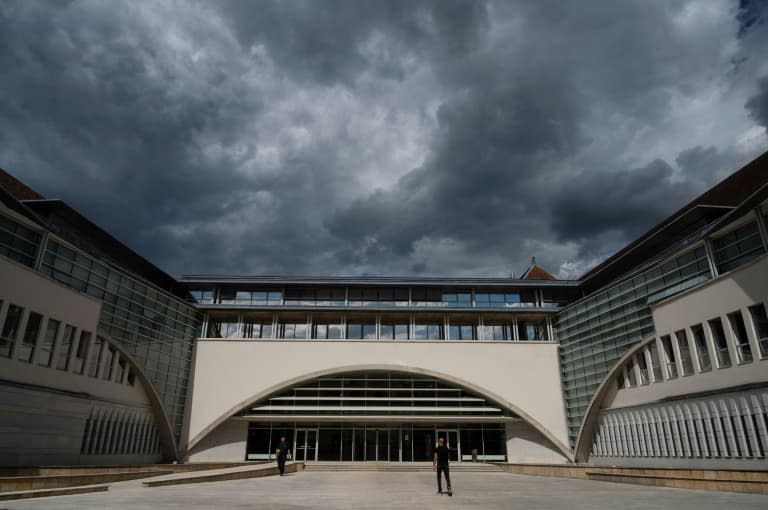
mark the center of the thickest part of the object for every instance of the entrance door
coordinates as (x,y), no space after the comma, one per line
(305,445)
(451,438)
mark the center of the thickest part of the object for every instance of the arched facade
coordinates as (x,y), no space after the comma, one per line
(523,426)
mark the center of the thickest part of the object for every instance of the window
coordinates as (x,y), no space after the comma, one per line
(121,365)
(257,329)
(201,296)
(631,374)
(458,299)
(330,296)
(462,332)
(224,327)
(29,340)
(643,366)
(227,296)
(721,343)
(532,331)
(685,352)
(131,379)
(393,330)
(428,331)
(18,242)
(669,357)
(497,332)
(65,349)
(94,364)
(427,297)
(702,351)
(327,331)
(737,248)
(109,363)
(293,330)
(357,330)
(760,320)
(48,343)
(655,362)
(82,352)
(10,330)
(743,349)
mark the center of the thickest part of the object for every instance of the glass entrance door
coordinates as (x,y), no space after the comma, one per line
(305,445)
(451,438)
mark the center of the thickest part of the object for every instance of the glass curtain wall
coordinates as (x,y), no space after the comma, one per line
(596,332)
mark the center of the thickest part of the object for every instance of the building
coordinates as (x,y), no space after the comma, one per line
(656,357)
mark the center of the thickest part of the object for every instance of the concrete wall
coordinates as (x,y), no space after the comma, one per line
(526,444)
(230,374)
(225,444)
(44,410)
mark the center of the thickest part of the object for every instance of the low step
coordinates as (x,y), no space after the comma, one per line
(218,475)
(46,493)
(681,482)
(28,483)
(396,467)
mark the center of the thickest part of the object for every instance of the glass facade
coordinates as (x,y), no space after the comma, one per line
(595,332)
(154,326)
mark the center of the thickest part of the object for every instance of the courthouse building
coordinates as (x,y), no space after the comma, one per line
(656,357)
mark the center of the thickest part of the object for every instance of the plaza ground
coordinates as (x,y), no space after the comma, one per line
(400,490)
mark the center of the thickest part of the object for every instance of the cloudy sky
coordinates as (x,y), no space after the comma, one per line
(335,137)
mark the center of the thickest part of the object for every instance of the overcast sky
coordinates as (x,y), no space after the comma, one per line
(332,137)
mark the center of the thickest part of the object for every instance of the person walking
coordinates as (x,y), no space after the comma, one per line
(283,452)
(440,464)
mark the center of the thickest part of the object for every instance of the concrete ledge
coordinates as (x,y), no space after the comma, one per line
(45,493)
(117,468)
(27,483)
(683,482)
(238,473)
(702,479)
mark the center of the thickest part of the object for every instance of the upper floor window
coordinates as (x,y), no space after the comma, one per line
(201,296)
(737,247)
(760,320)
(458,299)
(721,343)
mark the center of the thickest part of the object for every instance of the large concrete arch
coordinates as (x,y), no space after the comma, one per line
(589,421)
(285,384)
(167,440)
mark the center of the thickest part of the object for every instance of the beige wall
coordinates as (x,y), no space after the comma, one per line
(730,292)
(230,374)
(225,444)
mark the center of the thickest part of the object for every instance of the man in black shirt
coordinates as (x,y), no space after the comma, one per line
(440,464)
(282,452)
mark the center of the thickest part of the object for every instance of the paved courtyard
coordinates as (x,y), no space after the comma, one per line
(371,490)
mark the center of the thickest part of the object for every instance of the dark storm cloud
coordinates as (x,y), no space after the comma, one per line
(334,42)
(396,137)
(758,104)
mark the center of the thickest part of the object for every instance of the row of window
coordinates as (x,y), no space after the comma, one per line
(376,329)
(728,426)
(684,353)
(47,342)
(382,297)
(119,432)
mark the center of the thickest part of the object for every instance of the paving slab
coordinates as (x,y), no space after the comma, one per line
(387,490)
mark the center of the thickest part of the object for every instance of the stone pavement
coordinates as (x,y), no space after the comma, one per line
(387,490)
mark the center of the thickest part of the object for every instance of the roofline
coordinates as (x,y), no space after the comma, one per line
(672,218)
(374,280)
